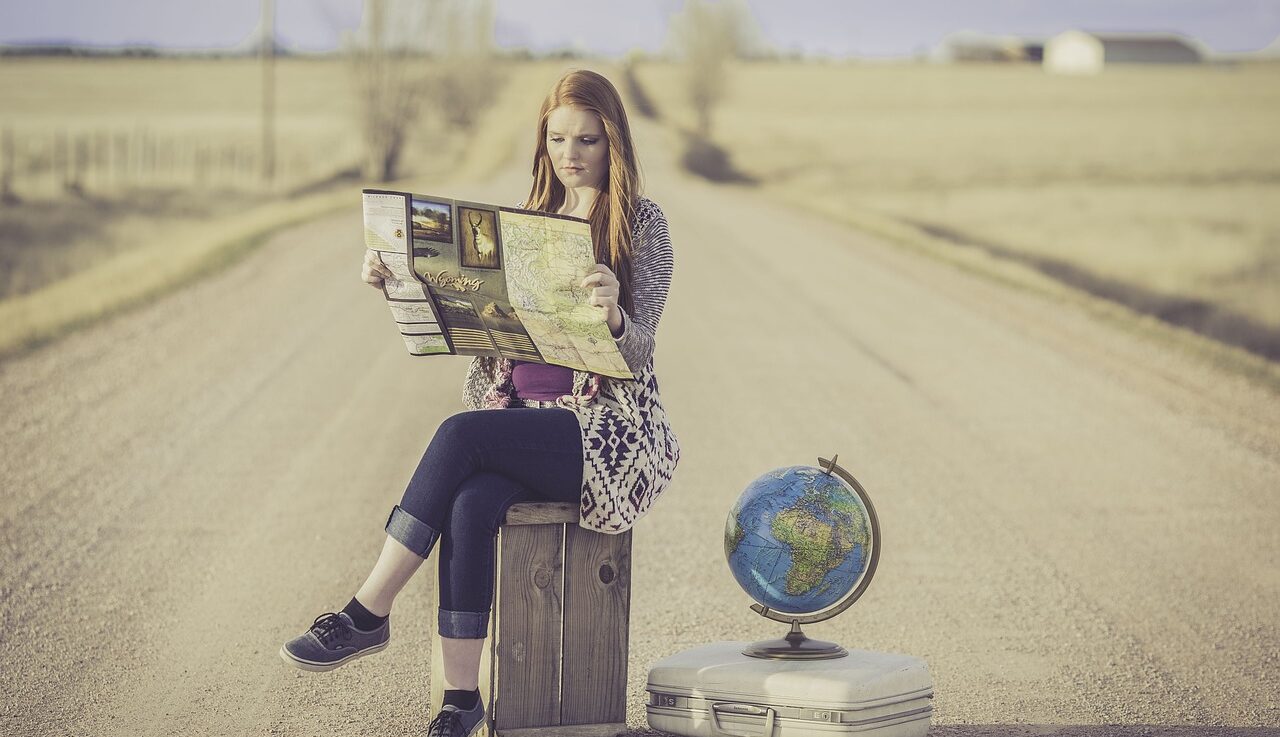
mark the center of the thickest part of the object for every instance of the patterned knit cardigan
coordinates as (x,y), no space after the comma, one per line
(629,451)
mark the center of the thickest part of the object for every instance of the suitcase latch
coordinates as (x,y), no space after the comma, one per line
(826,716)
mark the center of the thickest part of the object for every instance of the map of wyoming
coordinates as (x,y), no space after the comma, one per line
(481,280)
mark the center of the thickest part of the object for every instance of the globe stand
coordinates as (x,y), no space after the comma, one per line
(795,646)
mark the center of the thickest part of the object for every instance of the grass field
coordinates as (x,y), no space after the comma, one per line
(144,122)
(160,112)
(179,106)
(1158,187)
(70,259)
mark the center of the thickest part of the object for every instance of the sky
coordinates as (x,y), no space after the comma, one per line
(873,28)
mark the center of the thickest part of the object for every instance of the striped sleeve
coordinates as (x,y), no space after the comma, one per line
(652,266)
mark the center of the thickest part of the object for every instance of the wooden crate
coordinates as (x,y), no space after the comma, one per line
(556,659)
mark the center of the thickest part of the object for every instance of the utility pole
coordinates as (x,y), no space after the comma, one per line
(268,50)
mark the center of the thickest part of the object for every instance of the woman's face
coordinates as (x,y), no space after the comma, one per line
(578,149)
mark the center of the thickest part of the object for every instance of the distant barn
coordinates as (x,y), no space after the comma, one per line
(1078,52)
(970,46)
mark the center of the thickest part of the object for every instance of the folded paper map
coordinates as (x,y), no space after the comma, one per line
(482,280)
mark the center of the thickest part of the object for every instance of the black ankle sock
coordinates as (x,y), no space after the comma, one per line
(365,620)
(465,700)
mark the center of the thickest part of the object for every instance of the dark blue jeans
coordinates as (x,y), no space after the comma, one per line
(478,464)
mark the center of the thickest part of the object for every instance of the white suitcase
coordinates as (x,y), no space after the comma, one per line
(715,690)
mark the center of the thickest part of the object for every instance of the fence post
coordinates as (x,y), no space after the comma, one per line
(79,162)
(61,160)
(120,160)
(8,163)
(100,143)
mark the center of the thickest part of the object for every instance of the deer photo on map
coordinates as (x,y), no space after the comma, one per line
(479,239)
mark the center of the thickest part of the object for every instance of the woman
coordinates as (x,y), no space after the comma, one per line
(564,435)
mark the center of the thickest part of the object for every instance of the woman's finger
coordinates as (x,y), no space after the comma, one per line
(604,280)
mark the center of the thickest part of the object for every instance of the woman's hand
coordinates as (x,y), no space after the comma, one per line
(374,271)
(604,293)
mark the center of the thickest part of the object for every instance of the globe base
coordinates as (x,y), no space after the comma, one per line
(795,646)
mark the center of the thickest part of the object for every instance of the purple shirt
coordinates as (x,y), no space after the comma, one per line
(541,381)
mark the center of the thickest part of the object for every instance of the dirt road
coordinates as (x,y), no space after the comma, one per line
(1080,526)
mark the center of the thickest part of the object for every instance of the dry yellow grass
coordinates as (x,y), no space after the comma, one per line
(180,104)
(152,253)
(161,111)
(1162,181)
(175,105)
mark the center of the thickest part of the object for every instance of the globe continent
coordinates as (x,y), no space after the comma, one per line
(798,539)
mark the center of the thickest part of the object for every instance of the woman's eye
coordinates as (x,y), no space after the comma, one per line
(589,143)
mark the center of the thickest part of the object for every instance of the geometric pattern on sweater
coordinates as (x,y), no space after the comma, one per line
(629,452)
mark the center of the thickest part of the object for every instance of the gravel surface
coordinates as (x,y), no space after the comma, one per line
(1080,525)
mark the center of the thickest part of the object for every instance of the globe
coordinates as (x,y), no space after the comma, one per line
(801,541)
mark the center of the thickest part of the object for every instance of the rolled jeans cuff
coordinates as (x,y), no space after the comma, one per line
(411,532)
(463,625)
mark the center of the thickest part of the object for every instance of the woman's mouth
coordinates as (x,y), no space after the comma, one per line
(572,168)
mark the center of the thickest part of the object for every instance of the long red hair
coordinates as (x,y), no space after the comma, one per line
(613,210)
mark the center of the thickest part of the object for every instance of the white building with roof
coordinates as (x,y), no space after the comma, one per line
(1081,52)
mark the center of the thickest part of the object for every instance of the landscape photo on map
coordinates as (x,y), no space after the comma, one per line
(466,330)
(480,246)
(433,234)
(508,332)
(432,221)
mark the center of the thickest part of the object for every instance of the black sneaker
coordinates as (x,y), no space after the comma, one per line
(333,640)
(454,722)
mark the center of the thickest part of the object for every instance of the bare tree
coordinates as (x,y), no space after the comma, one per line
(415,60)
(706,36)
(465,79)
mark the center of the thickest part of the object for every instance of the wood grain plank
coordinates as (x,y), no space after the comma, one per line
(541,513)
(597,604)
(530,598)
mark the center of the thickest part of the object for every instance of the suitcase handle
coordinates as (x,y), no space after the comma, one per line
(737,708)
